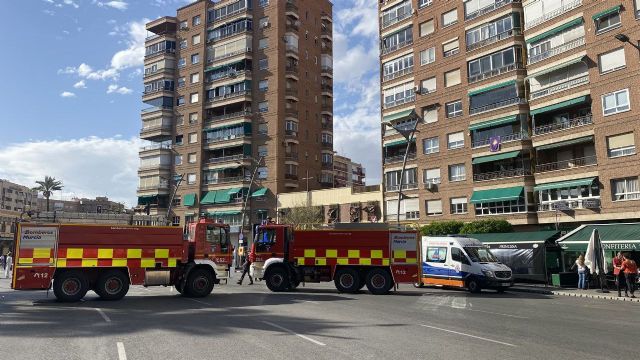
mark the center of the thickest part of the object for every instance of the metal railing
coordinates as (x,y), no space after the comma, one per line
(411,186)
(326,87)
(291,6)
(497,105)
(225,180)
(399,158)
(560,87)
(495,72)
(291,70)
(290,177)
(157,108)
(451,52)
(556,50)
(237,31)
(155,128)
(160,52)
(229,158)
(393,75)
(229,14)
(399,102)
(225,138)
(160,89)
(291,92)
(230,96)
(326,69)
(590,203)
(407,14)
(291,156)
(156,147)
(518,136)
(565,125)
(223,75)
(163,70)
(502,174)
(567,164)
(395,47)
(487,9)
(327,145)
(228,55)
(228,116)
(553,14)
(488,41)
(290,26)
(326,166)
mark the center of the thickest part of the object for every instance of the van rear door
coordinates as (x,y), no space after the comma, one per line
(435,267)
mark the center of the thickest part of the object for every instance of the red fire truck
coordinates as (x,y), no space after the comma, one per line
(108,258)
(351,256)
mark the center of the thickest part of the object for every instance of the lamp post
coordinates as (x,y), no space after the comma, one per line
(178,179)
(625,39)
(246,199)
(409,135)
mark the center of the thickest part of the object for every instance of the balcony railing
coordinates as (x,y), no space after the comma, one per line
(326,107)
(451,52)
(560,87)
(327,166)
(495,72)
(553,14)
(230,96)
(502,174)
(395,47)
(291,177)
(229,158)
(407,13)
(238,114)
(494,39)
(567,164)
(153,187)
(156,147)
(291,156)
(237,31)
(500,104)
(157,108)
(593,203)
(291,92)
(224,180)
(565,125)
(291,48)
(228,55)
(326,88)
(397,74)
(290,26)
(433,181)
(399,158)
(411,186)
(291,112)
(398,102)
(327,145)
(157,53)
(229,14)
(326,69)
(557,50)
(523,135)
(160,89)
(225,138)
(291,6)
(487,9)
(155,128)
(291,70)
(327,126)
(227,74)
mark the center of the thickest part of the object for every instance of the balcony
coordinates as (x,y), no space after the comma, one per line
(224,180)
(159,186)
(291,26)
(291,92)
(500,104)
(152,147)
(565,125)
(230,54)
(560,87)
(292,156)
(495,72)
(494,39)
(229,158)
(518,136)
(397,74)
(398,102)
(237,30)
(290,135)
(234,115)
(291,177)
(158,53)
(326,88)
(229,96)
(407,14)
(399,158)
(390,49)
(291,70)
(553,14)
(327,145)
(411,186)
(291,112)
(229,14)
(156,131)
(489,8)
(226,138)
(227,74)
(291,50)
(556,50)
(291,6)
(569,204)
(326,107)
(502,174)
(326,166)
(326,69)
(567,164)
(327,125)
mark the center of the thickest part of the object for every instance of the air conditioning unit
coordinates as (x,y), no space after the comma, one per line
(417,89)
(431,186)
(266,25)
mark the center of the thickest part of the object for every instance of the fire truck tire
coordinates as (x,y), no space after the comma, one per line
(277,279)
(347,280)
(70,286)
(199,283)
(379,281)
(112,285)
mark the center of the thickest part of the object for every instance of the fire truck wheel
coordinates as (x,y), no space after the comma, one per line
(70,286)
(379,281)
(112,285)
(347,280)
(199,283)
(277,279)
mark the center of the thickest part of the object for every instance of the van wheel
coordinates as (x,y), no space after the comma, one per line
(199,283)
(277,279)
(379,281)
(112,285)
(70,286)
(473,286)
(347,280)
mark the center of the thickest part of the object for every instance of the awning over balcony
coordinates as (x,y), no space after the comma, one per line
(209,198)
(494,122)
(407,114)
(146,200)
(565,184)
(491,158)
(214,68)
(223,213)
(607,12)
(189,200)
(614,237)
(493,87)
(581,140)
(556,30)
(562,105)
(259,192)
(398,142)
(557,67)
(495,195)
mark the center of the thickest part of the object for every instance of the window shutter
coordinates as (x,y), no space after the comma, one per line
(430,114)
(452,78)
(392,207)
(612,60)
(533,11)
(427,28)
(430,84)
(621,141)
(462,200)
(434,206)
(432,174)
(450,45)
(455,137)
(410,205)
(450,17)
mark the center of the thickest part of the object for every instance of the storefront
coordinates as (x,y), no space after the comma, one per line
(532,256)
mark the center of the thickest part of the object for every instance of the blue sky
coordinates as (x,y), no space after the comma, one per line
(75,79)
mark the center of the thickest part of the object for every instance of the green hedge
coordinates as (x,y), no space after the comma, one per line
(440,228)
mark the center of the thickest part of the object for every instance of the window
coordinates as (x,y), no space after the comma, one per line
(263,3)
(437,254)
(501,207)
(427,56)
(452,78)
(608,22)
(489,33)
(193,118)
(611,61)
(397,40)
(434,207)
(263,64)
(625,189)
(181,81)
(574,196)
(179,139)
(263,150)
(195,78)
(430,114)
(182,63)
(423,3)
(195,39)
(195,58)
(396,13)
(454,109)
(450,18)
(264,22)
(431,145)
(192,158)
(409,180)
(455,140)
(615,102)
(263,85)
(194,98)
(196,20)
(263,129)
(457,172)
(399,95)
(327,158)
(193,138)
(263,172)
(290,125)
(191,179)
(459,205)
(499,97)
(184,24)
(451,48)
(178,159)
(397,67)
(621,145)
(180,101)
(180,120)
(431,176)
(427,28)
(263,43)
(263,106)
(428,85)
(494,64)
(183,44)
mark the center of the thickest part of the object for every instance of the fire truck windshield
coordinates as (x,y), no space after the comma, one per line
(265,239)
(217,236)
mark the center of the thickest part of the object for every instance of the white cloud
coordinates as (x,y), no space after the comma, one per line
(80,85)
(87,72)
(67,94)
(71,3)
(49,12)
(120,5)
(49,1)
(114,88)
(93,166)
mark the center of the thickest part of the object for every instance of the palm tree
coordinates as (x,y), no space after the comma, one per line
(49,185)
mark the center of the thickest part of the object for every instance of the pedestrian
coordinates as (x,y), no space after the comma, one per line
(8,265)
(3,259)
(619,274)
(582,272)
(630,269)
(246,266)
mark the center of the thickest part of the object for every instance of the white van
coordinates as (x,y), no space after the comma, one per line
(459,261)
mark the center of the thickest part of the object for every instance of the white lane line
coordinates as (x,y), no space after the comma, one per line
(104,316)
(122,355)
(311,302)
(468,335)
(294,333)
(495,313)
(199,302)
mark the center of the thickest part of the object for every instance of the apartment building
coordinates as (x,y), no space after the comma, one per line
(347,172)
(526,110)
(238,90)
(99,205)
(16,197)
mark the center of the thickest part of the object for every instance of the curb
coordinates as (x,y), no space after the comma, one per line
(579,295)
(531,291)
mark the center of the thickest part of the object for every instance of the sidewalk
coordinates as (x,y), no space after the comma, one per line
(590,293)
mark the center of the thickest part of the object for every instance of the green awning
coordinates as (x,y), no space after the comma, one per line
(223,197)
(398,142)
(565,184)
(209,198)
(234,191)
(495,195)
(259,192)
(493,87)
(557,30)
(562,105)
(494,122)
(189,200)
(189,214)
(538,237)
(566,143)
(400,115)
(223,213)
(146,200)
(614,237)
(496,157)
(214,68)
(557,67)
(606,12)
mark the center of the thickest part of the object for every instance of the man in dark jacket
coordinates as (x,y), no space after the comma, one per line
(246,266)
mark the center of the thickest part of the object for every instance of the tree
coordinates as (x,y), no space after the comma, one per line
(439,228)
(302,216)
(486,226)
(47,187)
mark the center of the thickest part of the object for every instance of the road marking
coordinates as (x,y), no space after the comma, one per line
(294,333)
(122,355)
(198,301)
(171,289)
(311,302)
(469,335)
(496,313)
(104,316)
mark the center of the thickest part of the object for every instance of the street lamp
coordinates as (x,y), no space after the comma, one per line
(625,39)
(246,198)
(409,134)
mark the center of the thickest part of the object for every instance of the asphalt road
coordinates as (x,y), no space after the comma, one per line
(316,322)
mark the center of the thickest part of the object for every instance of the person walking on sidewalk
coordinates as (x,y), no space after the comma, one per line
(630,269)
(582,272)
(618,273)
(246,267)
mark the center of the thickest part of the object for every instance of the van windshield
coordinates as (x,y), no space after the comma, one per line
(480,254)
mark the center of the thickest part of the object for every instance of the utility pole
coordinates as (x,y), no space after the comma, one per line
(409,135)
